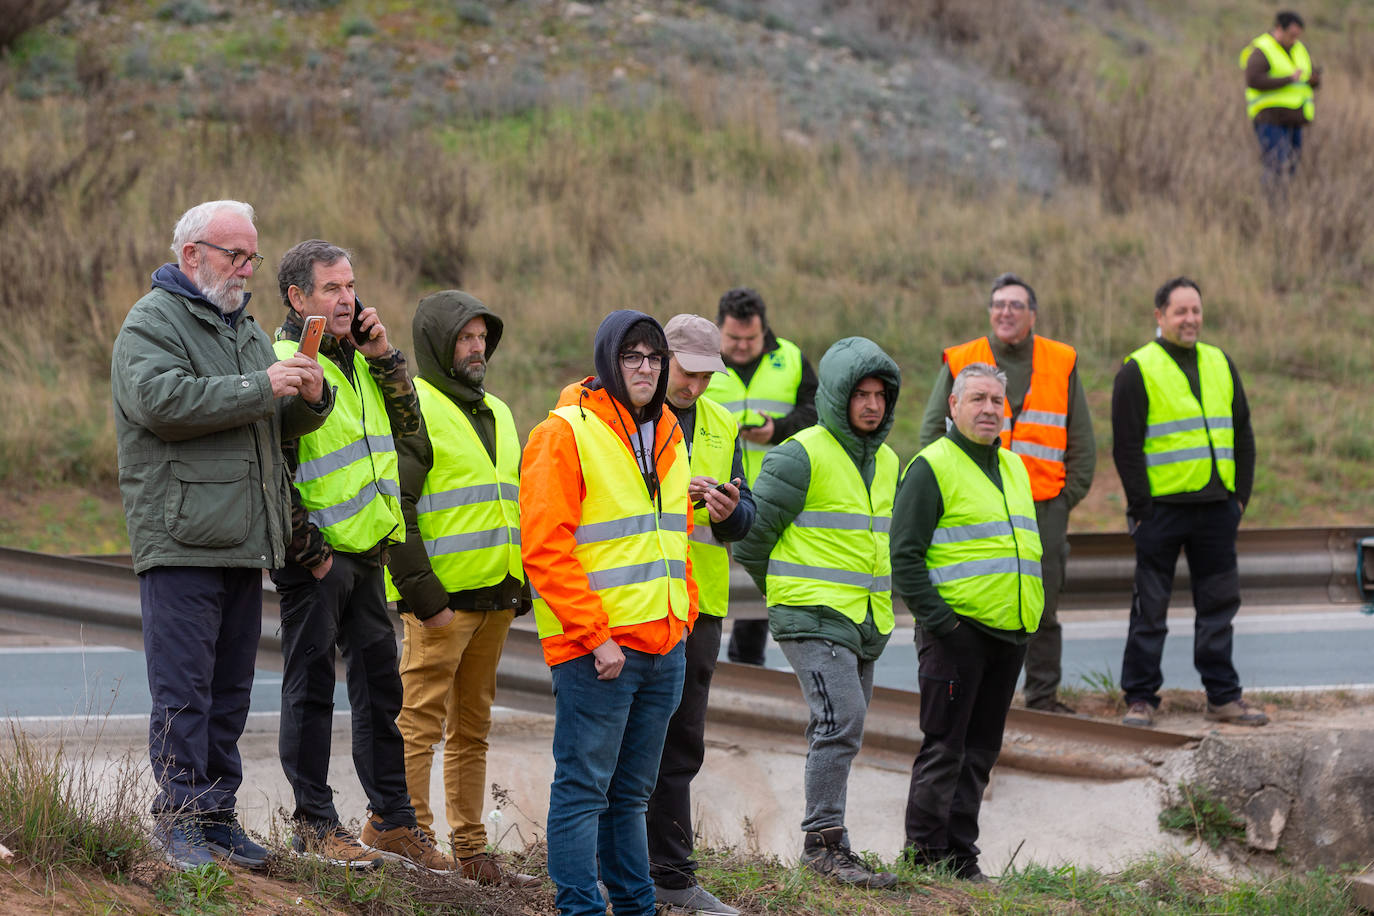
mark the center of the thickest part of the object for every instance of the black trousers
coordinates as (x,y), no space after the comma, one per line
(1045,651)
(967,680)
(348,609)
(670,806)
(1206,533)
(748,642)
(200,641)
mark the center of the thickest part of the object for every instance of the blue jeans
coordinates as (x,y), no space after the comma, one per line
(1280,152)
(607,739)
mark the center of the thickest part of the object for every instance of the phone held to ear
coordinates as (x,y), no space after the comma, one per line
(310,337)
(360,336)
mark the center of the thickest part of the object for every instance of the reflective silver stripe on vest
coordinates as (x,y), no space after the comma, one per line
(1043,418)
(1155,459)
(332,515)
(1006,423)
(826,574)
(510,491)
(842,521)
(732,406)
(341,458)
(460,496)
(636,574)
(971,568)
(999,528)
(597,532)
(473,540)
(763,404)
(1185,425)
(1037,451)
(702,534)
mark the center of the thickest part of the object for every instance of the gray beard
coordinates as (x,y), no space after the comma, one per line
(219,294)
(474,375)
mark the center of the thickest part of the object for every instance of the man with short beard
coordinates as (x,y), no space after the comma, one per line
(457,579)
(201,407)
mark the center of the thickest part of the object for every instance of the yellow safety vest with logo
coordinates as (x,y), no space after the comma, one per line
(1281,64)
(713,452)
(348,477)
(635,559)
(771,392)
(468,512)
(835,552)
(984,557)
(1183,437)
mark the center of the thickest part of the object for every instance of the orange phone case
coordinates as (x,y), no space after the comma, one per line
(310,337)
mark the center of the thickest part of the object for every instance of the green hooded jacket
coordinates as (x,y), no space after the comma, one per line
(438,320)
(780,491)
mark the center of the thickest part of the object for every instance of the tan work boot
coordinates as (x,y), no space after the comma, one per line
(1236,712)
(485,868)
(1140,714)
(410,846)
(336,846)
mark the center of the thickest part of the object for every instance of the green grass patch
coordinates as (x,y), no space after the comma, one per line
(1203,816)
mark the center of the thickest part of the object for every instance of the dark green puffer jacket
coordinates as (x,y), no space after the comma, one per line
(780,491)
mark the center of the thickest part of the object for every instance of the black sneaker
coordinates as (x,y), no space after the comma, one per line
(182,841)
(826,853)
(225,836)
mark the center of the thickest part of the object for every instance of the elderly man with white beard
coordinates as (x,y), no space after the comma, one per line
(201,405)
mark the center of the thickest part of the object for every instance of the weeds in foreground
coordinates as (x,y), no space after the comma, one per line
(202,890)
(1203,815)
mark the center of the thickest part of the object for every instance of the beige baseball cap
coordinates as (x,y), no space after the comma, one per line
(695,342)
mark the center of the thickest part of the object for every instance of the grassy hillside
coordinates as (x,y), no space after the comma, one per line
(867,165)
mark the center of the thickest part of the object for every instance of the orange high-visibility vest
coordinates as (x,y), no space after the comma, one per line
(1040,434)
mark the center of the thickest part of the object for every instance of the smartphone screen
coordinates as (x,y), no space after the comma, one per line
(310,337)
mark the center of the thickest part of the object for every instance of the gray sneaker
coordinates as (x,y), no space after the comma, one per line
(1236,712)
(694,899)
(826,853)
(1140,714)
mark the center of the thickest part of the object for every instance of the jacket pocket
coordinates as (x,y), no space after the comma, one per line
(208,502)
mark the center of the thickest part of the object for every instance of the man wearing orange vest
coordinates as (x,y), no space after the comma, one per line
(605,520)
(1045,421)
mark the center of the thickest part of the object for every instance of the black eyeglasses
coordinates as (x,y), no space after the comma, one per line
(236,258)
(632,359)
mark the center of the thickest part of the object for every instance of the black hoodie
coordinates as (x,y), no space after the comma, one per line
(610,336)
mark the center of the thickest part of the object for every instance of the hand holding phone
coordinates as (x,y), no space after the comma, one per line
(360,336)
(311,336)
(701,503)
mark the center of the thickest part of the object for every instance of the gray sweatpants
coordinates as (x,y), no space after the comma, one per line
(837,685)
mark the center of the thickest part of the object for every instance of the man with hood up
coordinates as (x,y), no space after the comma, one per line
(457,578)
(605,518)
(819,551)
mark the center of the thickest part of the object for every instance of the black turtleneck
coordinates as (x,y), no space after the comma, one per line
(915,514)
(1130,405)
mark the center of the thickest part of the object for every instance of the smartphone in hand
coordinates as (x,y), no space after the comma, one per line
(310,337)
(701,503)
(360,336)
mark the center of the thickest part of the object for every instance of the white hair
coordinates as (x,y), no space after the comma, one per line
(196,220)
(977,370)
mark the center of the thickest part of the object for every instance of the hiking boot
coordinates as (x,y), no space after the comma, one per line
(694,899)
(336,846)
(1236,712)
(1056,706)
(182,841)
(225,836)
(409,845)
(485,868)
(1140,714)
(968,870)
(826,853)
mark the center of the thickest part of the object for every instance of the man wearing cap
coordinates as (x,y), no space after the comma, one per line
(1045,421)
(769,387)
(724,510)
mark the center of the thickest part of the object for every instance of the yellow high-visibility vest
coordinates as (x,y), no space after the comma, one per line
(1182,436)
(771,392)
(1281,64)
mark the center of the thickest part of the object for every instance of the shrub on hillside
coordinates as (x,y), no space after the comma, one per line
(19,16)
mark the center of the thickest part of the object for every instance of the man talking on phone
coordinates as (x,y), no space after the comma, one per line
(770,388)
(724,510)
(345,511)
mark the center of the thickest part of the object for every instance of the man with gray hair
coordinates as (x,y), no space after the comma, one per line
(201,407)
(345,511)
(966,559)
(1045,420)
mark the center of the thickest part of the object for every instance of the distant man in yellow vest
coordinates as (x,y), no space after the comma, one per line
(819,551)
(1280,82)
(723,512)
(770,389)
(1185,452)
(1046,421)
(966,559)
(458,576)
(345,512)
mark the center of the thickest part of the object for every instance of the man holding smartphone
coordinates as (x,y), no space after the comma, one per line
(724,510)
(345,511)
(770,388)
